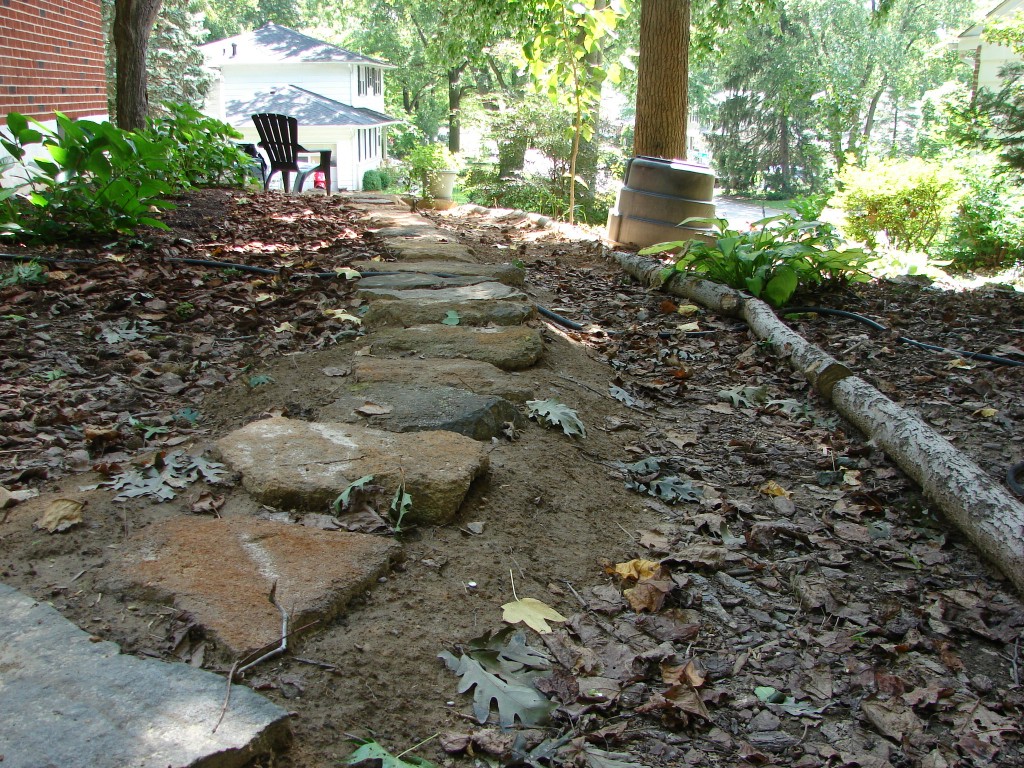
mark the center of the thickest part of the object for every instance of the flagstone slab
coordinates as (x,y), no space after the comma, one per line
(426,232)
(404,281)
(473,375)
(416,250)
(68,700)
(221,571)
(509,274)
(481,304)
(509,348)
(414,408)
(305,465)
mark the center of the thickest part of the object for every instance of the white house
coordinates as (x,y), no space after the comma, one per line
(336,95)
(987,58)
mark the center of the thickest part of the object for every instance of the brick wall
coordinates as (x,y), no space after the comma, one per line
(51,58)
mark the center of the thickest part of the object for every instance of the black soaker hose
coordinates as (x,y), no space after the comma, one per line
(902,339)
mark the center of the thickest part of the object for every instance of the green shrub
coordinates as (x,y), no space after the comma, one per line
(201,151)
(427,161)
(94,180)
(772,259)
(810,206)
(987,229)
(372,181)
(909,202)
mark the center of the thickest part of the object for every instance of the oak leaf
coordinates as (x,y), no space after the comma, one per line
(533,613)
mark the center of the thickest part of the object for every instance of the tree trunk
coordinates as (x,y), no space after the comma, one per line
(869,121)
(661,92)
(989,516)
(133,21)
(454,105)
(785,162)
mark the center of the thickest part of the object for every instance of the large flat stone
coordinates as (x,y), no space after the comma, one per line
(302,465)
(511,349)
(221,571)
(481,378)
(417,250)
(423,408)
(509,274)
(482,304)
(404,281)
(70,702)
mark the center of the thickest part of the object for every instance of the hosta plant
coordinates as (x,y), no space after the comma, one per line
(772,259)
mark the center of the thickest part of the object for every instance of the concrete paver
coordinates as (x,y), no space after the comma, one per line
(68,701)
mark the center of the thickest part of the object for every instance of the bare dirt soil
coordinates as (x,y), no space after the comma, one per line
(796,601)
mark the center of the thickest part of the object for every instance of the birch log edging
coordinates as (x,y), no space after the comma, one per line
(982,510)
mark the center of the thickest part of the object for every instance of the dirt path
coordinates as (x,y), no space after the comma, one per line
(786,553)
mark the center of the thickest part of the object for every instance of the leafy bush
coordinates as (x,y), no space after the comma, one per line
(372,181)
(810,206)
(427,161)
(907,201)
(773,259)
(201,151)
(987,229)
(97,180)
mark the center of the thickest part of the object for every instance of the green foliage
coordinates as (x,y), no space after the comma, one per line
(94,180)
(427,161)
(201,151)
(372,181)
(772,259)
(908,202)
(810,206)
(987,228)
(24,273)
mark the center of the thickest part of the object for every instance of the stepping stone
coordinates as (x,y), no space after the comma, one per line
(221,572)
(302,465)
(422,408)
(427,232)
(375,200)
(478,377)
(483,304)
(407,280)
(509,274)
(68,701)
(511,348)
(415,250)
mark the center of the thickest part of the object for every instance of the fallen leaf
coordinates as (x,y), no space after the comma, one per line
(373,409)
(60,515)
(985,413)
(531,612)
(650,594)
(207,504)
(772,488)
(636,569)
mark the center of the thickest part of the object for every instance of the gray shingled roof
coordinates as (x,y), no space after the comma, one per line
(308,107)
(274,44)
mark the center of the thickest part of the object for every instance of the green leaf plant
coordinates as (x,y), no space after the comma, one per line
(772,260)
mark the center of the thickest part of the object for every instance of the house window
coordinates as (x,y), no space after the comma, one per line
(368,141)
(368,81)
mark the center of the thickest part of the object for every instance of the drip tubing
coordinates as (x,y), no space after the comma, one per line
(902,339)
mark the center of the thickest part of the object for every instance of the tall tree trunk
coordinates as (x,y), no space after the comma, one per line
(662,73)
(133,21)
(454,105)
(869,121)
(785,163)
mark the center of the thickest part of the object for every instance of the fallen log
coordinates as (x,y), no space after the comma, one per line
(981,509)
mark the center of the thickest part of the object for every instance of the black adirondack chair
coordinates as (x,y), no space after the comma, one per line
(279,138)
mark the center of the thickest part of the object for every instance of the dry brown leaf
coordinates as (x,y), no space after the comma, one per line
(691,673)
(636,569)
(772,488)
(60,515)
(207,504)
(649,594)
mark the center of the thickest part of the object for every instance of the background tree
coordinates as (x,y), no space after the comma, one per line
(662,79)
(174,63)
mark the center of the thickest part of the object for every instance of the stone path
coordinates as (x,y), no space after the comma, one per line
(446,335)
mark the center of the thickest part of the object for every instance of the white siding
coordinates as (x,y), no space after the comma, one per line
(335,81)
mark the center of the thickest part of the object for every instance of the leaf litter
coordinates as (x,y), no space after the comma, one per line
(847,595)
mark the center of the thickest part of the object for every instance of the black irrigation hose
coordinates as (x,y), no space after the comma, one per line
(1012,475)
(902,339)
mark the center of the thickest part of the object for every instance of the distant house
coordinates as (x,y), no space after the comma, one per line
(336,95)
(988,59)
(51,59)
